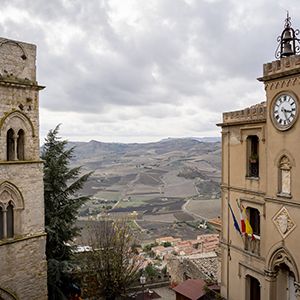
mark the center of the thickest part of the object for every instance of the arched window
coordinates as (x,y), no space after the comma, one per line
(20,144)
(10,144)
(11,207)
(284,176)
(252,156)
(10,220)
(253,288)
(1,224)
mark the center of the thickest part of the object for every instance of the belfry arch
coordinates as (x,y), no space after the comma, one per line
(17,131)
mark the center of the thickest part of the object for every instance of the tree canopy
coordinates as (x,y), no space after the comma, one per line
(62,201)
(112,259)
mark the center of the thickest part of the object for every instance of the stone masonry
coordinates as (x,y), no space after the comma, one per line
(23,267)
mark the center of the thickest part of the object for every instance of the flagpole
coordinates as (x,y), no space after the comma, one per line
(228,198)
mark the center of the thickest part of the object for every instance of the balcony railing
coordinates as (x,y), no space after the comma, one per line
(252,244)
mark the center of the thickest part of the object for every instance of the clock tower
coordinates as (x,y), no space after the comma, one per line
(23,268)
(260,186)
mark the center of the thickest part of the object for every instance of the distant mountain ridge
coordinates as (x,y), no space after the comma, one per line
(189,145)
(151,178)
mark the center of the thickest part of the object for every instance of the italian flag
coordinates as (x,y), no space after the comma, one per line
(243,225)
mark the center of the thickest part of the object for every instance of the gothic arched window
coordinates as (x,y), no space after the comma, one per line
(284,176)
(10,145)
(20,144)
(10,220)
(11,207)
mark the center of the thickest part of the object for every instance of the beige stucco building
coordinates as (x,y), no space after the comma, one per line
(261,172)
(23,269)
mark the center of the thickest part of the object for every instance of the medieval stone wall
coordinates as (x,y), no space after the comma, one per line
(23,269)
(28,179)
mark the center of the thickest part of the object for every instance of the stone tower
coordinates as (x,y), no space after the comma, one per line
(260,184)
(23,269)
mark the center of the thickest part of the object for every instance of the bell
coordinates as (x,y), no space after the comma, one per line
(287,49)
(287,35)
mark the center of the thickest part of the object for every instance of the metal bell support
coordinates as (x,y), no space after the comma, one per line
(287,41)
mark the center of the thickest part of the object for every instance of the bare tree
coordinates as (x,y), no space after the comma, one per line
(112,260)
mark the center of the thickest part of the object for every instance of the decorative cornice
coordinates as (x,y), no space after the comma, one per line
(282,200)
(254,114)
(22,238)
(20,84)
(282,83)
(288,66)
(243,190)
(20,162)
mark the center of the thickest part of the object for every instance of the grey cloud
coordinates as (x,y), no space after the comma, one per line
(206,54)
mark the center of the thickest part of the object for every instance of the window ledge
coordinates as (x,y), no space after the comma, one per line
(20,162)
(284,195)
(21,238)
(254,254)
(252,178)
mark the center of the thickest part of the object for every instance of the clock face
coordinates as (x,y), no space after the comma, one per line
(284,112)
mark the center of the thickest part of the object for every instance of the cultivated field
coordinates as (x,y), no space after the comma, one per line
(162,182)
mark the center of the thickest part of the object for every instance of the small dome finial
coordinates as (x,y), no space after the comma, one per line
(287,40)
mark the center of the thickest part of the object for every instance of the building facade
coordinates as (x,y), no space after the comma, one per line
(23,268)
(260,183)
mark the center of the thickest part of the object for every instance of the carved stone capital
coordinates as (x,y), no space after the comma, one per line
(297,288)
(270,275)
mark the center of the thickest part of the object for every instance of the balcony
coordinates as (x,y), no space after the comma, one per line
(252,245)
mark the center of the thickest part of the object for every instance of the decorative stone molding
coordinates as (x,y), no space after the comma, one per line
(9,192)
(260,129)
(297,288)
(284,222)
(285,83)
(282,256)
(6,295)
(282,153)
(16,118)
(256,112)
(279,68)
(270,275)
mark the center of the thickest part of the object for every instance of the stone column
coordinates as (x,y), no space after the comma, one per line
(15,147)
(5,222)
(270,277)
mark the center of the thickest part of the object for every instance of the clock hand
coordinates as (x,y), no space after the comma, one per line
(284,112)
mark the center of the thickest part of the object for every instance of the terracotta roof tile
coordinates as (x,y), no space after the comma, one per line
(192,288)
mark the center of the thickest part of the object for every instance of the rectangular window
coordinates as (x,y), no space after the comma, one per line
(254,220)
(254,289)
(252,242)
(252,156)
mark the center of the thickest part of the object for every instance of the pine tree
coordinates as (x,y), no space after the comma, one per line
(61,184)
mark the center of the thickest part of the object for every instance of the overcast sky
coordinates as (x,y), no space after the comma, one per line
(143,70)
